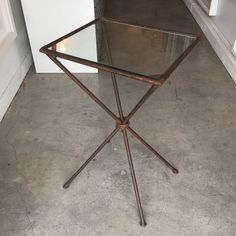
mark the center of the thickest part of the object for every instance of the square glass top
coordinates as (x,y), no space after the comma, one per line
(136,50)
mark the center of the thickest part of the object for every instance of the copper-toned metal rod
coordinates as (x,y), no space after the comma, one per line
(107,68)
(141,102)
(118,102)
(153,28)
(169,71)
(113,77)
(131,75)
(68,182)
(134,181)
(174,170)
(85,89)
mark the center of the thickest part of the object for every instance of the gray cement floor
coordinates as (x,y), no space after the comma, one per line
(52,127)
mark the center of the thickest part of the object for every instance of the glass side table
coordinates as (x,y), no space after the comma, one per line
(114,47)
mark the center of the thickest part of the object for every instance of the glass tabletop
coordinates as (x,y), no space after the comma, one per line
(138,50)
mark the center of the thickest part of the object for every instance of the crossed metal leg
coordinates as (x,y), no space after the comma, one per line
(68,182)
(122,124)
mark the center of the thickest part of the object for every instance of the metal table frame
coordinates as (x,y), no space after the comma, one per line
(121,122)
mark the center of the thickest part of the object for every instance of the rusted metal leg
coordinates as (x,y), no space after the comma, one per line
(113,77)
(68,182)
(174,170)
(83,87)
(150,91)
(135,185)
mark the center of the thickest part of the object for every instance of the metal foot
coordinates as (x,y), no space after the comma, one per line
(66,185)
(174,170)
(68,182)
(143,223)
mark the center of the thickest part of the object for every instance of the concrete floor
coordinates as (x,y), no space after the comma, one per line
(52,127)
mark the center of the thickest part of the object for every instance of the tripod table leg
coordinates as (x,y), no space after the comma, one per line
(174,170)
(134,181)
(68,182)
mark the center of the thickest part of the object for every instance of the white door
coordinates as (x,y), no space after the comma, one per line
(47,20)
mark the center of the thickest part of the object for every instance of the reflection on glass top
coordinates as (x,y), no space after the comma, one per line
(141,50)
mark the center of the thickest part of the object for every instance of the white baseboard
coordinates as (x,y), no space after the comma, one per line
(217,40)
(234,49)
(9,93)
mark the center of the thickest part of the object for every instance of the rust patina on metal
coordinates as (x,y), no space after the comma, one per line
(122,123)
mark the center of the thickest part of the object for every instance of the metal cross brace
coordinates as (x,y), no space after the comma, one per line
(123,125)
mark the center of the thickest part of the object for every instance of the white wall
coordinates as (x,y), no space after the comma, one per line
(15,61)
(226,19)
(220,30)
(48,20)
